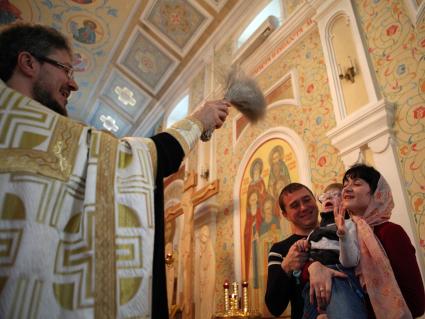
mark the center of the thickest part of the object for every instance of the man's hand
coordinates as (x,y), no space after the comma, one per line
(321,283)
(212,114)
(296,257)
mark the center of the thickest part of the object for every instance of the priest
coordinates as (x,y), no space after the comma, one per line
(81,212)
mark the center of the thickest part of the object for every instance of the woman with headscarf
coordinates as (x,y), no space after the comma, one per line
(388,269)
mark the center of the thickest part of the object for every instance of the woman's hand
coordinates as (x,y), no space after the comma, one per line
(339,215)
(321,283)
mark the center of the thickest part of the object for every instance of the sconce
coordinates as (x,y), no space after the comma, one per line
(169,259)
(350,71)
(205,173)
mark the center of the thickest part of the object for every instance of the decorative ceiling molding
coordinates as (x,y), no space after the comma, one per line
(124,94)
(202,57)
(216,4)
(147,61)
(105,117)
(114,28)
(133,5)
(179,23)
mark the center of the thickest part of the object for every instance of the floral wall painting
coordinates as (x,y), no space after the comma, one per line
(272,166)
(147,61)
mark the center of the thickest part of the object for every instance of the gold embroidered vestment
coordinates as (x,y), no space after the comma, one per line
(76,215)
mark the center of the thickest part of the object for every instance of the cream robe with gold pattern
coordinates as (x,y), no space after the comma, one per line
(76,215)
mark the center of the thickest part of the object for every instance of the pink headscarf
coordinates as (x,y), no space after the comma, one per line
(374,267)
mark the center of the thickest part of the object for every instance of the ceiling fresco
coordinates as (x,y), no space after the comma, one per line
(147,61)
(126,53)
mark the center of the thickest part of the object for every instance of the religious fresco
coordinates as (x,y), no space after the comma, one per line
(81,62)
(270,168)
(86,31)
(397,52)
(177,21)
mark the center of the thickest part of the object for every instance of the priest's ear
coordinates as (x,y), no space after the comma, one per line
(27,64)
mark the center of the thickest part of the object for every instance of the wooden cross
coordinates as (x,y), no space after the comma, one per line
(190,200)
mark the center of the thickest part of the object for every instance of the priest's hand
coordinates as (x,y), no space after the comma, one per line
(212,114)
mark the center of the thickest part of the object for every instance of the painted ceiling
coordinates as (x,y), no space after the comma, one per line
(127,53)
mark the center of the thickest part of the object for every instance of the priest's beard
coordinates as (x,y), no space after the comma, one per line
(42,95)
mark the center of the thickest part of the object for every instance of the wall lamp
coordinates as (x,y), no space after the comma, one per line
(350,72)
(205,173)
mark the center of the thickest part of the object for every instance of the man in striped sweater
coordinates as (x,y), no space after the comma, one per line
(299,207)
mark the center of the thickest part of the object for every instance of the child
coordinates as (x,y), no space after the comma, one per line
(334,244)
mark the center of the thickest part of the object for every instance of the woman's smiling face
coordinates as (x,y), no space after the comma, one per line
(356,195)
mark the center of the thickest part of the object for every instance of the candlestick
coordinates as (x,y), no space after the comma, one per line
(245,297)
(236,306)
(226,297)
